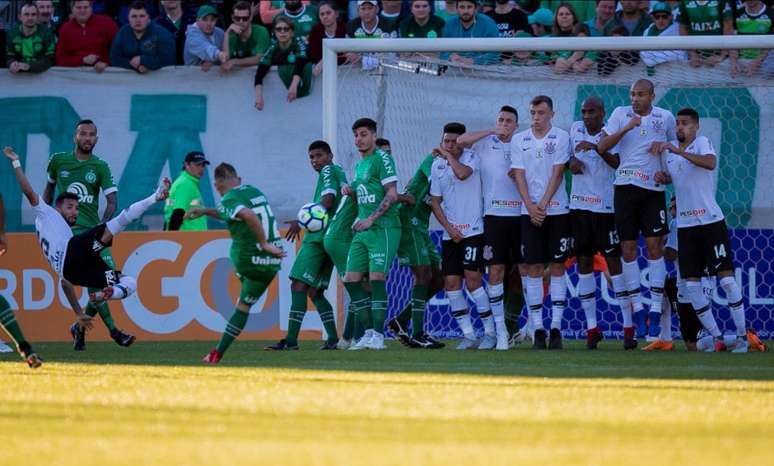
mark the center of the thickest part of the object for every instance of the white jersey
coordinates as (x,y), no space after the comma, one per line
(462,201)
(501,198)
(638,166)
(537,157)
(694,186)
(53,234)
(593,189)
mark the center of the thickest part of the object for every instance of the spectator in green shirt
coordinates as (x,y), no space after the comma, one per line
(753,17)
(304,18)
(185,194)
(29,47)
(708,17)
(422,23)
(244,42)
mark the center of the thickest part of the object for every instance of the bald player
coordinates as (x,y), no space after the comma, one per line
(639,201)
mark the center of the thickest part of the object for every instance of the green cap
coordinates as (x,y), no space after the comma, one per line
(542,16)
(660,7)
(206,10)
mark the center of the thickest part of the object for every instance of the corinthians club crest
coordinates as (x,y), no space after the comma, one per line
(550,148)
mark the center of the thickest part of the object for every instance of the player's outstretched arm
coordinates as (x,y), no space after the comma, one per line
(111,204)
(3,241)
(254,223)
(21,178)
(472,137)
(197,212)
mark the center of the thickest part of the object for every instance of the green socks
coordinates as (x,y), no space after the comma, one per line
(9,324)
(297,311)
(325,310)
(233,328)
(360,302)
(378,304)
(349,323)
(101,308)
(418,301)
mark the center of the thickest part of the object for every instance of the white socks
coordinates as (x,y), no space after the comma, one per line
(482,305)
(735,304)
(118,223)
(701,305)
(631,273)
(657,274)
(587,287)
(496,297)
(558,291)
(622,296)
(460,312)
(535,302)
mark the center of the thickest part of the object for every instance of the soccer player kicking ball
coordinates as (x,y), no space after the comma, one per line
(77,258)
(701,228)
(639,200)
(538,156)
(377,234)
(256,251)
(458,205)
(591,214)
(312,268)
(7,319)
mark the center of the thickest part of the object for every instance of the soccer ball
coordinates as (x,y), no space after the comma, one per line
(313,217)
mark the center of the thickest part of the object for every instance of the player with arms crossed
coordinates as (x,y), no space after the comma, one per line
(538,156)
(77,258)
(458,205)
(256,251)
(7,319)
(705,246)
(591,214)
(377,234)
(502,211)
(639,200)
(311,272)
(83,173)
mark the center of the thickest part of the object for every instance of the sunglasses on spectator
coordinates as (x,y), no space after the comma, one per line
(241,18)
(661,16)
(282,29)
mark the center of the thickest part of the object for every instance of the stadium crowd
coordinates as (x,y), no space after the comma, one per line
(148,35)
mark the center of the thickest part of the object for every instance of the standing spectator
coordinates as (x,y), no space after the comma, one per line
(30,46)
(578,61)
(245,42)
(48,16)
(392,10)
(541,22)
(630,17)
(368,25)
(422,23)
(289,54)
(662,26)
(753,18)
(271,8)
(176,20)
(469,23)
(509,19)
(142,45)
(702,18)
(329,27)
(85,39)
(184,194)
(304,18)
(203,40)
(605,9)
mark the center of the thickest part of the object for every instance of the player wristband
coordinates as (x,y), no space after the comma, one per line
(16,164)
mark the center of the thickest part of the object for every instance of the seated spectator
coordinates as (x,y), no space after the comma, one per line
(289,54)
(204,40)
(662,26)
(447,10)
(702,19)
(564,21)
(30,46)
(271,8)
(422,23)
(245,42)
(469,23)
(142,45)
(541,22)
(577,61)
(605,10)
(753,17)
(631,17)
(584,9)
(85,39)
(526,57)
(176,20)
(368,25)
(610,61)
(304,18)
(392,10)
(48,16)
(509,20)
(329,27)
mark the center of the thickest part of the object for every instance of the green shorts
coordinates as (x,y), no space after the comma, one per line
(416,249)
(313,265)
(373,250)
(254,283)
(338,249)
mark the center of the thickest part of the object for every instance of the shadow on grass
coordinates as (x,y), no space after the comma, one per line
(573,362)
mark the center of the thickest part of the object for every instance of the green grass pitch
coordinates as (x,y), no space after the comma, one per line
(156,404)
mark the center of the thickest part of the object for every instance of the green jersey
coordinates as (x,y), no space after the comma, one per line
(36,50)
(245,252)
(329,181)
(340,226)
(419,187)
(84,178)
(303,22)
(372,172)
(256,44)
(409,28)
(704,17)
(761,22)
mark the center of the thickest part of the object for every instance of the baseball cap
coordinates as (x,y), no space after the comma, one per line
(372,2)
(660,7)
(196,157)
(542,16)
(205,10)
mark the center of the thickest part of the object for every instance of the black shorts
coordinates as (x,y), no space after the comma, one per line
(549,242)
(704,250)
(639,210)
(83,265)
(594,232)
(456,258)
(502,240)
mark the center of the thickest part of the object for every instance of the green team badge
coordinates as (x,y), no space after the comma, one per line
(91,177)
(292,58)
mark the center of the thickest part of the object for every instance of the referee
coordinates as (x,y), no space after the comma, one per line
(185,194)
